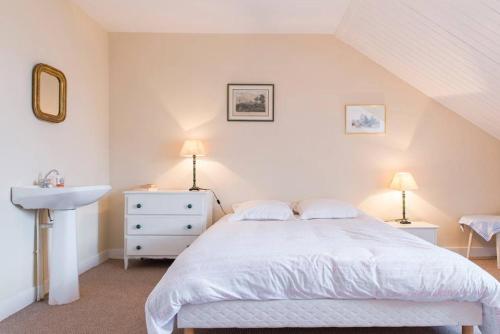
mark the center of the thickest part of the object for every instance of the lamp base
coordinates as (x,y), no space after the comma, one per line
(194,188)
(404,221)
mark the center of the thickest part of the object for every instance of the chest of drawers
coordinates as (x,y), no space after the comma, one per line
(161,224)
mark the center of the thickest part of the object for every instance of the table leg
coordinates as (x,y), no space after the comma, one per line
(498,250)
(470,243)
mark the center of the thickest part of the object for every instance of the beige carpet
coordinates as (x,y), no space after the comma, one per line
(113,302)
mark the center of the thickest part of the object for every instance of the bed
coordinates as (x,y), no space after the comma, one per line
(355,272)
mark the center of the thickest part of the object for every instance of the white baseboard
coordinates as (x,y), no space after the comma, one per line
(26,297)
(115,253)
(16,302)
(475,251)
(92,262)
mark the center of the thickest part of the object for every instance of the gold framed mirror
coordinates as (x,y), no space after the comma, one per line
(49,93)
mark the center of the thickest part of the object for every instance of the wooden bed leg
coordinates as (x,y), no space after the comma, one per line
(467,329)
(191,331)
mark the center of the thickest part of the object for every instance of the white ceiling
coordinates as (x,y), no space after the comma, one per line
(217,16)
(448,49)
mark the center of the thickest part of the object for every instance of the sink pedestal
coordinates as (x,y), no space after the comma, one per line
(63,259)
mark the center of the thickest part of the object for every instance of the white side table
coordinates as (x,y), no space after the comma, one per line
(421,229)
(469,244)
(486,226)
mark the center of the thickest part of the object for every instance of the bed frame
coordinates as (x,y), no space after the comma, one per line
(329,313)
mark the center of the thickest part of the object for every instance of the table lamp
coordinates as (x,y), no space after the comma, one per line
(403,181)
(193,148)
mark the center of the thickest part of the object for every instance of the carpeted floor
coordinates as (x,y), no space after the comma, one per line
(112,301)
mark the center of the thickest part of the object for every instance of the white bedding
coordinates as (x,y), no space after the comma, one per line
(360,258)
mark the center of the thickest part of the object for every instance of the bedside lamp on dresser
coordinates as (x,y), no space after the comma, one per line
(193,148)
(161,224)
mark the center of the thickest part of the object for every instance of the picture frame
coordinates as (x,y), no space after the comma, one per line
(250,102)
(365,119)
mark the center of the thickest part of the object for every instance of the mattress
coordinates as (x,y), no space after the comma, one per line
(327,313)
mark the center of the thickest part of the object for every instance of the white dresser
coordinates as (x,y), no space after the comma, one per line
(420,229)
(161,224)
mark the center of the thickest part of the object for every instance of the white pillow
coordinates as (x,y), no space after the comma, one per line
(325,208)
(262,210)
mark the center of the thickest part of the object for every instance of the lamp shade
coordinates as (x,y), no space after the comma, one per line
(193,147)
(403,181)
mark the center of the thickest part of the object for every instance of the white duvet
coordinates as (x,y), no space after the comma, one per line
(359,258)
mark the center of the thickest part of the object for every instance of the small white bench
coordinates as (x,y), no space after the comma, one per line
(486,226)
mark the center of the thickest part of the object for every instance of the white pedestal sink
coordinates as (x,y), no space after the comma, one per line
(63,259)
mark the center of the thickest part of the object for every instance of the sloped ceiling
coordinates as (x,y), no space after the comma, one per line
(448,49)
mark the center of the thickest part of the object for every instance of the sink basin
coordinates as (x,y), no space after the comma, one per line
(67,198)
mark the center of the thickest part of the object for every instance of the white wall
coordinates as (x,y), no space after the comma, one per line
(169,87)
(57,33)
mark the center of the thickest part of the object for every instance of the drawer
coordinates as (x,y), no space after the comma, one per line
(158,245)
(165,225)
(428,234)
(160,204)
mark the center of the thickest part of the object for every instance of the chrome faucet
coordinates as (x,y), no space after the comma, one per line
(45,182)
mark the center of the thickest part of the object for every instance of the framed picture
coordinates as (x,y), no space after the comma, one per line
(364,119)
(250,102)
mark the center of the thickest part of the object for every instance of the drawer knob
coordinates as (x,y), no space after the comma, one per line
(138,247)
(189,206)
(138,226)
(139,205)
(189,227)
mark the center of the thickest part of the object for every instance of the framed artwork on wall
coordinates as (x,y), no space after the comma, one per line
(250,102)
(364,118)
